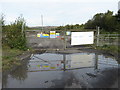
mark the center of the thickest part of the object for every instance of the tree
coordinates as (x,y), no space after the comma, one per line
(13,35)
(67,27)
(106,21)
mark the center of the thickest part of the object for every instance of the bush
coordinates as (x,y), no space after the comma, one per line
(13,35)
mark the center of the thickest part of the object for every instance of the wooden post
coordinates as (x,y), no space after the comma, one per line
(65,40)
(98,32)
(96,61)
(64,60)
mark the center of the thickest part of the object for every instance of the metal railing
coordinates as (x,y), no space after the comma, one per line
(108,39)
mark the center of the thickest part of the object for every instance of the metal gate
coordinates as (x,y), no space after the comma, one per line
(62,40)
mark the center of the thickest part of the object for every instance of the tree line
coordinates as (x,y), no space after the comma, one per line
(14,37)
(106,21)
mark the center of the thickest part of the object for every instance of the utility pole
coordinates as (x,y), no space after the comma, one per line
(23,27)
(42,21)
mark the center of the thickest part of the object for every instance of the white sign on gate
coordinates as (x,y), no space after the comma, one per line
(52,34)
(82,38)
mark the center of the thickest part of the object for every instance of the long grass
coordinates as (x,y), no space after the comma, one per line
(110,49)
(9,57)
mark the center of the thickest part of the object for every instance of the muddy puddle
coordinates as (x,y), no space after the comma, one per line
(54,70)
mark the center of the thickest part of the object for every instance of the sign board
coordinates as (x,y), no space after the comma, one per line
(43,35)
(38,35)
(68,33)
(52,34)
(82,38)
(57,35)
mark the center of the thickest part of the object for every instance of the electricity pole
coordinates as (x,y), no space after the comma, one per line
(22,27)
(42,21)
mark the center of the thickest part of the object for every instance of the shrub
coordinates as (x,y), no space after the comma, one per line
(13,36)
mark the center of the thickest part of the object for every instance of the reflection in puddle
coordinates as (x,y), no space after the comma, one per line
(82,60)
(51,61)
(46,70)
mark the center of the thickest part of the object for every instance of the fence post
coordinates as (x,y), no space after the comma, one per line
(64,61)
(96,61)
(98,32)
(64,39)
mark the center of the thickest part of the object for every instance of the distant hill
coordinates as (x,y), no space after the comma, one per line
(44,27)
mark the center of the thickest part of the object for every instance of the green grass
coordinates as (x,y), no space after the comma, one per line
(110,49)
(9,57)
(114,50)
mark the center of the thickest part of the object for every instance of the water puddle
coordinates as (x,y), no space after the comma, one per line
(51,61)
(60,70)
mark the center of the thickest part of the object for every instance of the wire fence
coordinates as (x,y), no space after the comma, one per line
(61,61)
(108,39)
(62,39)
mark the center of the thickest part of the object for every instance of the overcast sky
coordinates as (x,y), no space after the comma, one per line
(55,12)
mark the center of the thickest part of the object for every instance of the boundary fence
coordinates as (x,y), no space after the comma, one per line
(64,41)
(108,39)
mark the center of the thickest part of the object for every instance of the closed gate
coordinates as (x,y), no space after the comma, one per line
(59,39)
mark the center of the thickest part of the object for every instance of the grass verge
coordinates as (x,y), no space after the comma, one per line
(9,57)
(110,49)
